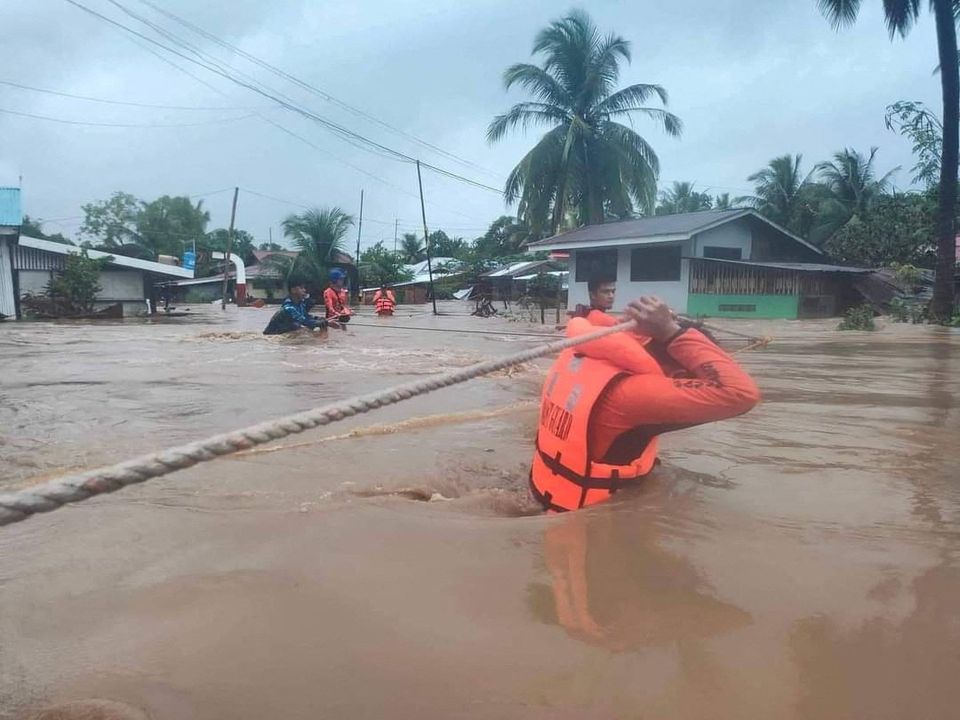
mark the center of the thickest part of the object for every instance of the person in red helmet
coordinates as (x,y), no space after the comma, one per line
(605,403)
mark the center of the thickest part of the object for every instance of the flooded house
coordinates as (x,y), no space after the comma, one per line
(715,263)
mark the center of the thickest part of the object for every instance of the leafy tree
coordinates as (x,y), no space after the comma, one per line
(723,202)
(914,121)
(900,16)
(852,189)
(168,225)
(442,245)
(506,236)
(34,228)
(270,247)
(113,222)
(380,266)
(73,290)
(243,242)
(682,198)
(587,166)
(318,234)
(412,249)
(897,229)
(779,191)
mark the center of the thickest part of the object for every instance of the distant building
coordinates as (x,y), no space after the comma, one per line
(716,263)
(417,289)
(11,217)
(126,281)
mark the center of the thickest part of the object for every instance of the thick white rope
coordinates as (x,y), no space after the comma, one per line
(21,504)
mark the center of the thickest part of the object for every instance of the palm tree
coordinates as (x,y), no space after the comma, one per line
(900,15)
(723,202)
(779,191)
(682,198)
(852,189)
(412,249)
(318,233)
(587,167)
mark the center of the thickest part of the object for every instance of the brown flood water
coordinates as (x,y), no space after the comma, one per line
(802,561)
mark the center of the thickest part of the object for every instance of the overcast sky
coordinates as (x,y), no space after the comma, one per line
(750,79)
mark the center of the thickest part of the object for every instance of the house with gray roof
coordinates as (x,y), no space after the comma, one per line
(715,263)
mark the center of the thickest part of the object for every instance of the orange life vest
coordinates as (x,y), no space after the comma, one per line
(335,301)
(564,474)
(384,302)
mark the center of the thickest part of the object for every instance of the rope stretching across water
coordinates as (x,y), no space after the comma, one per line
(19,505)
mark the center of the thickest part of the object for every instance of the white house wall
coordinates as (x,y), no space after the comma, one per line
(7,303)
(673,293)
(33,281)
(729,235)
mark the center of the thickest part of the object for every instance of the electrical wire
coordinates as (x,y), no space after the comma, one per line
(64,121)
(114,102)
(310,88)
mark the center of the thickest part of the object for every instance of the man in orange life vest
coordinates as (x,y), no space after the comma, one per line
(384,301)
(604,403)
(334,297)
(602,291)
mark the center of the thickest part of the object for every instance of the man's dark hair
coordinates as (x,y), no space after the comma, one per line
(594,283)
(296,282)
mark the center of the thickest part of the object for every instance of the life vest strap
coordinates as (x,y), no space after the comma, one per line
(545,499)
(613,483)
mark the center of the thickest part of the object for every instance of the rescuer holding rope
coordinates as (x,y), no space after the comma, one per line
(605,402)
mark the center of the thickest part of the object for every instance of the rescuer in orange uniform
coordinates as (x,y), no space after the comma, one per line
(604,403)
(384,301)
(335,297)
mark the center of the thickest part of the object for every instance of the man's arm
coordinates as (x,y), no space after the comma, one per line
(301,319)
(719,388)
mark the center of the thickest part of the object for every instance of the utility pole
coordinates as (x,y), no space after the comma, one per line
(396,222)
(270,234)
(356,290)
(426,240)
(226,258)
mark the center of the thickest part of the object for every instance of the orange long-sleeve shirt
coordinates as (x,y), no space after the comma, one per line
(642,406)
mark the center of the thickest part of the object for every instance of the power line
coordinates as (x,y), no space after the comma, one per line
(64,121)
(311,88)
(343,132)
(113,102)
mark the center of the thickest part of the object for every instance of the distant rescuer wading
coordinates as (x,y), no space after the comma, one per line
(294,314)
(605,402)
(335,297)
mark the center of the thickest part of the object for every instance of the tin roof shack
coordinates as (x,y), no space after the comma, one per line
(127,282)
(717,263)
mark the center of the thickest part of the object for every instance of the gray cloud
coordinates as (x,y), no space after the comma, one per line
(750,79)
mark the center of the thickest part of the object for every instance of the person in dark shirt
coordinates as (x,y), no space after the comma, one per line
(294,314)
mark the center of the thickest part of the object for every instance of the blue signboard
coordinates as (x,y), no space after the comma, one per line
(189,260)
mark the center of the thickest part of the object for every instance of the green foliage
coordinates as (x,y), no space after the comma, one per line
(914,121)
(318,234)
(125,225)
(442,245)
(897,229)
(34,228)
(412,249)
(779,191)
(853,189)
(682,198)
(908,276)
(169,225)
(588,166)
(379,266)
(112,222)
(73,290)
(858,318)
(902,311)
(270,247)
(505,236)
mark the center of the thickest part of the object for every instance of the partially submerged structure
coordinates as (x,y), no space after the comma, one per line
(716,263)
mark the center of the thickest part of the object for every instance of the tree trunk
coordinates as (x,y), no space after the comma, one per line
(941,308)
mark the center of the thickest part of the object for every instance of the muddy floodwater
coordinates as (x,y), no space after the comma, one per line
(802,561)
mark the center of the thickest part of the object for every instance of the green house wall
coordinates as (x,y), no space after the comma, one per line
(767,306)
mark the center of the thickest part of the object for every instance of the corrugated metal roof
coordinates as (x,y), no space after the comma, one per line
(654,229)
(120,260)
(516,268)
(801,267)
(10,211)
